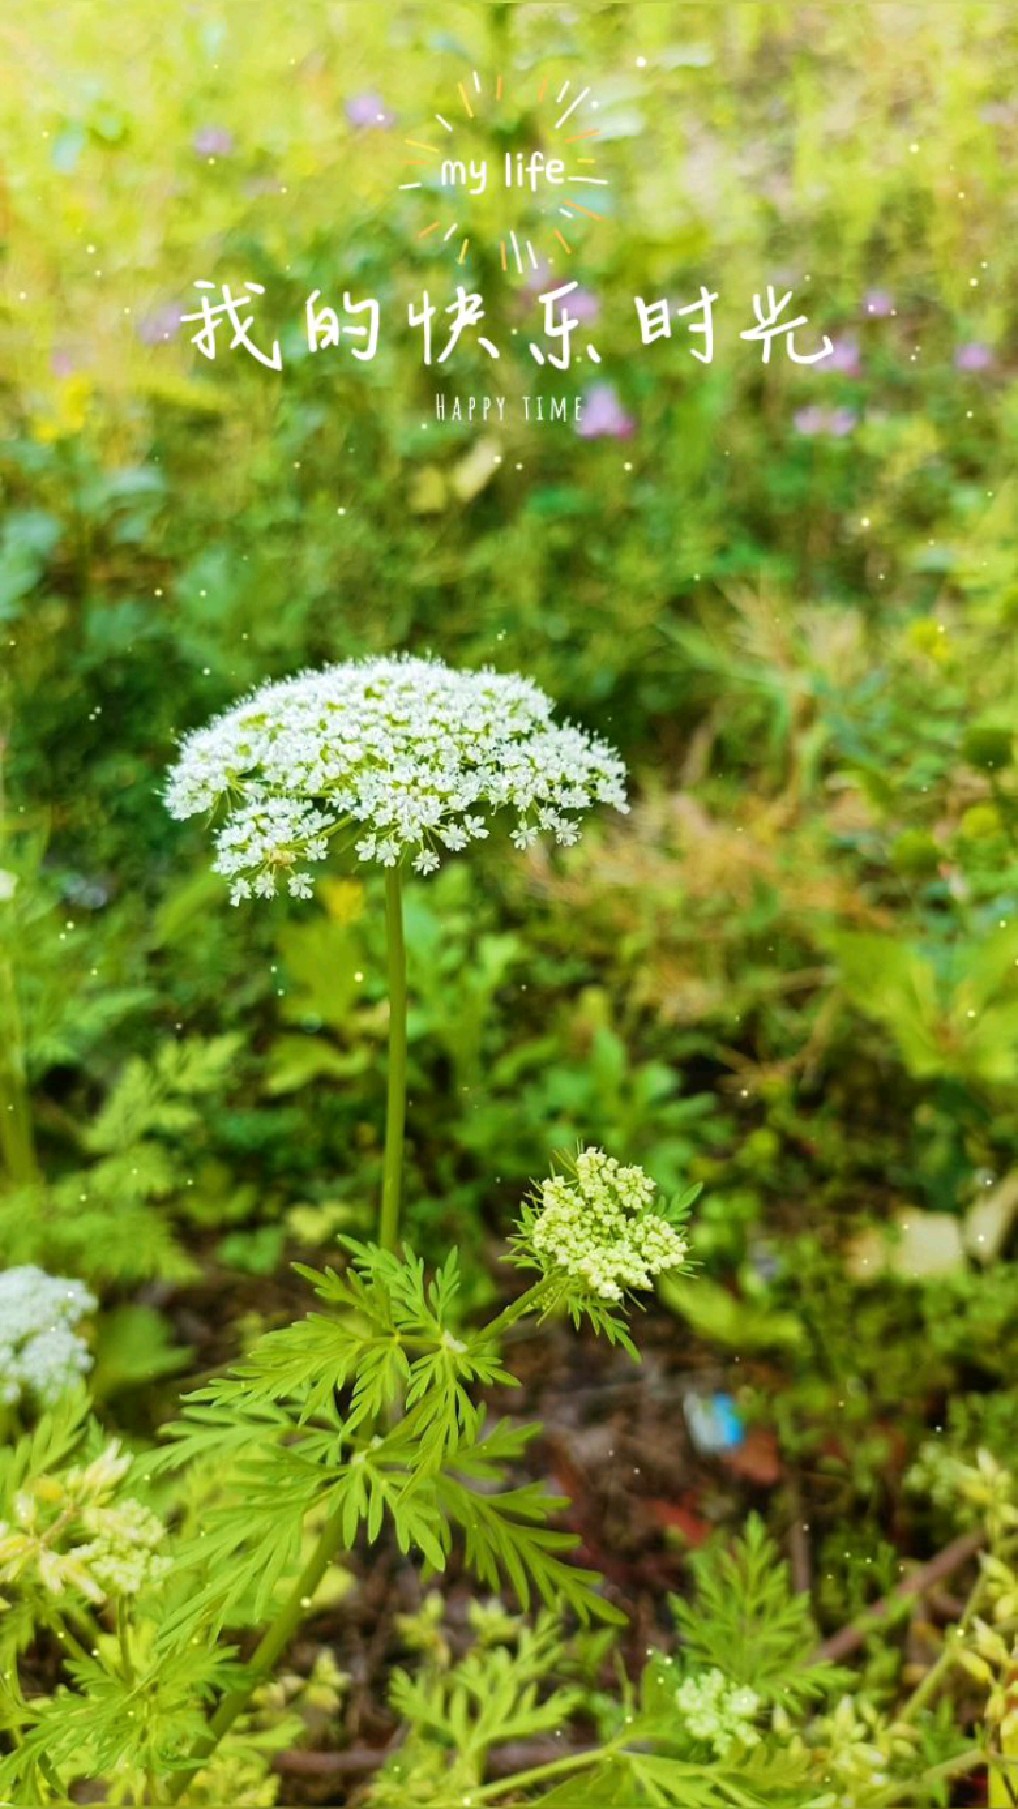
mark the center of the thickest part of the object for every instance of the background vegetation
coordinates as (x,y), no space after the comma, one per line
(788,594)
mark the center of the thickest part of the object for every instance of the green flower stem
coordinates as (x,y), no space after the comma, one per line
(270,1648)
(531,1302)
(16,1143)
(17,1146)
(395,1111)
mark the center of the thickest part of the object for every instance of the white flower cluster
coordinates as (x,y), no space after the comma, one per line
(73,1531)
(408,756)
(40,1353)
(598,1227)
(718,1711)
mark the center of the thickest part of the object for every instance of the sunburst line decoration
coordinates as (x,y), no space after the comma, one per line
(573,104)
(537,178)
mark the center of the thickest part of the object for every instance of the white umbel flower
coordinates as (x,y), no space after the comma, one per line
(598,1226)
(40,1352)
(406,758)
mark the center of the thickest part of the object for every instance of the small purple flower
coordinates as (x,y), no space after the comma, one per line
(160,325)
(583,305)
(973,357)
(62,363)
(841,421)
(810,421)
(212,141)
(539,277)
(833,422)
(879,303)
(604,417)
(845,356)
(369,112)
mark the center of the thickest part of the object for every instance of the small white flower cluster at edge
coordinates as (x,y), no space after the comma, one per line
(40,1352)
(718,1711)
(407,755)
(598,1227)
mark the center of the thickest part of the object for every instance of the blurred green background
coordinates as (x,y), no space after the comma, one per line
(787,593)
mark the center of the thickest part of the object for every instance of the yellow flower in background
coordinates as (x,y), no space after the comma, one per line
(344,899)
(66,412)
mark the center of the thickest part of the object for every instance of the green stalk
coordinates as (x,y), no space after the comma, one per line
(530,1302)
(395,1111)
(270,1647)
(17,1145)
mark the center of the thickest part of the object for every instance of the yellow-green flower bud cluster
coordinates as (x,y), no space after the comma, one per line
(75,1532)
(859,1749)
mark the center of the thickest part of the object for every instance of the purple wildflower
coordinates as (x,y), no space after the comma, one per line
(212,141)
(603,415)
(369,112)
(62,363)
(879,303)
(845,356)
(973,357)
(810,421)
(583,305)
(833,422)
(160,325)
